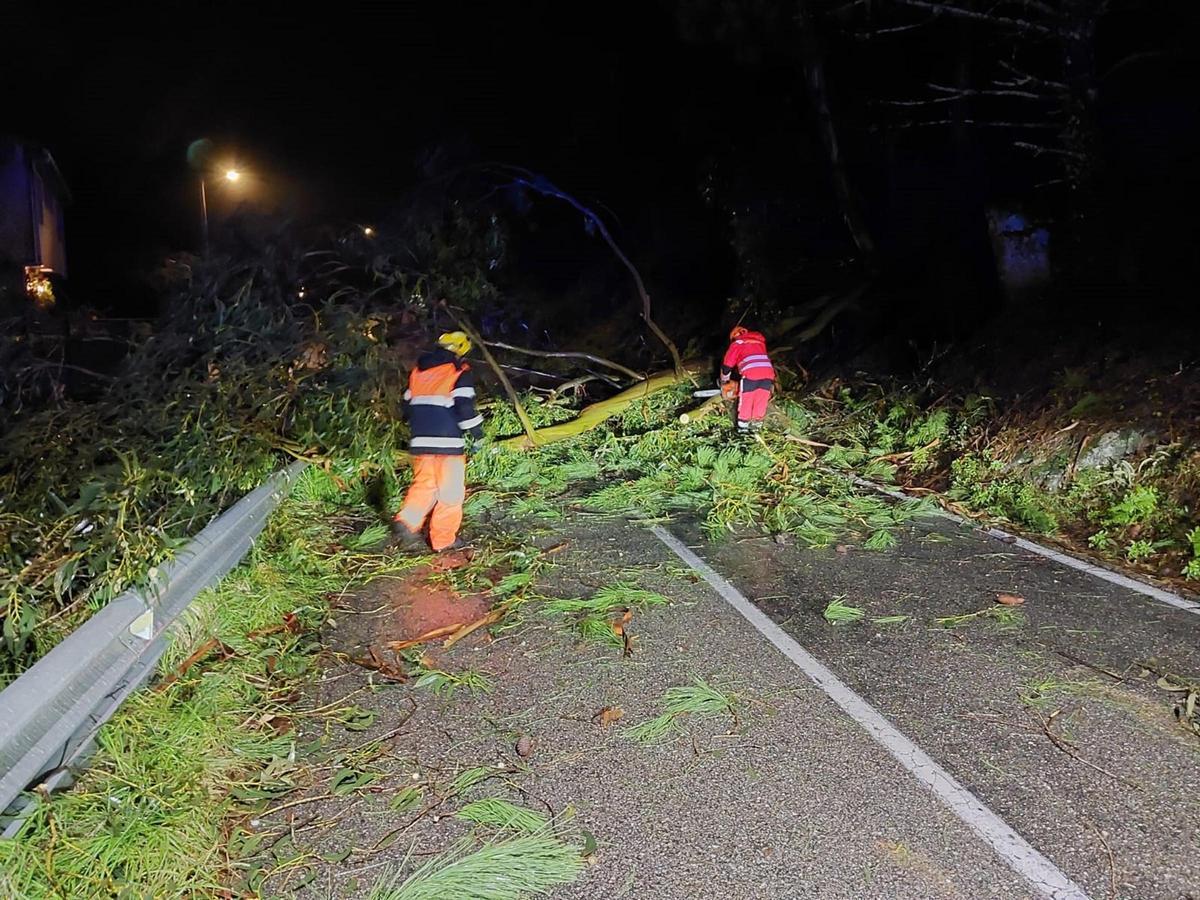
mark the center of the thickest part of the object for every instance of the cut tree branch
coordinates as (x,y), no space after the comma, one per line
(553,354)
(574,384)
(593,415)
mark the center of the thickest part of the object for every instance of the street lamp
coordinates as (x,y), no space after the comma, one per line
(231,176)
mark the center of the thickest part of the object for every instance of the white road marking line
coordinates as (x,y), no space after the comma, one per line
(1065,559)
(1019,854)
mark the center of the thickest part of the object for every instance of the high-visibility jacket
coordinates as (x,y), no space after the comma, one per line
(748,354)
(440,405)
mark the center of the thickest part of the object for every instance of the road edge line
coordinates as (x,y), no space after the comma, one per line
(1021,856)
(1063,559)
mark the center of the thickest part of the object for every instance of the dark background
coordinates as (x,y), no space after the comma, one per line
(336,111)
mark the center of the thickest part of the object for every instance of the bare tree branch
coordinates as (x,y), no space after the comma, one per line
(830,312)
(1024,78)
(845,7)
(988,18)
(1038,150)
(543,186)
(986,92)
(955,94)
(598,360)
(886,32)
(574,385)
(1044,8)
(936,123)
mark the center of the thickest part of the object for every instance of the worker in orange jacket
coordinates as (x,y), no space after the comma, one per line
(440,408)
(747,354)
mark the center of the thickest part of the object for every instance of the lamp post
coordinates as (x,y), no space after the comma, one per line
(231,175)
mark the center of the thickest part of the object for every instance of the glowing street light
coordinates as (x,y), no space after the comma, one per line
(368,231)
(231,176)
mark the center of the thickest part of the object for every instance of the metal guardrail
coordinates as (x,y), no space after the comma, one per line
(50,714)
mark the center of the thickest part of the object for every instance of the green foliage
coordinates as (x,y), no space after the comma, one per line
(239,376)
(934,427)
(1006,617)
(522,866)
(1192,569)
(592,617)
(696,699)
(978,481)
(444,684)
(1137,507)
(881,540)
(1088,406)
(837,612)
(501,421)
(494,812)
(147,817)
(1139,550)
(468,778)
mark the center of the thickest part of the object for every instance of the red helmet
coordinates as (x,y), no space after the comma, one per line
(737,332)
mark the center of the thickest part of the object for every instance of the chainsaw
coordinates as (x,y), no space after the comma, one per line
(729,391)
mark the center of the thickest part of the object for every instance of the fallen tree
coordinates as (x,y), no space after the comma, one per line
(596,413)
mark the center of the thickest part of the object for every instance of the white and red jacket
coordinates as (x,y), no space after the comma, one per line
(748,354)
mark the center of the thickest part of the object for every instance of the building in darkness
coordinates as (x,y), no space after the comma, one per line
(33,195)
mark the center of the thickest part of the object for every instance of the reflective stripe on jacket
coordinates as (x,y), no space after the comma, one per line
(748,354)
(440,405)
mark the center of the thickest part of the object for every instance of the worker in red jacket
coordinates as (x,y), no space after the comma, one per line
(747,354)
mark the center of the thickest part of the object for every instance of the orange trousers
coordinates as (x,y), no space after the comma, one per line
(439,484)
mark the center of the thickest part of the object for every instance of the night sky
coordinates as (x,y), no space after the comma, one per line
(336,110)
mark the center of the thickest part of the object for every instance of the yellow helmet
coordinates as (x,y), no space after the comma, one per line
(456,342)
